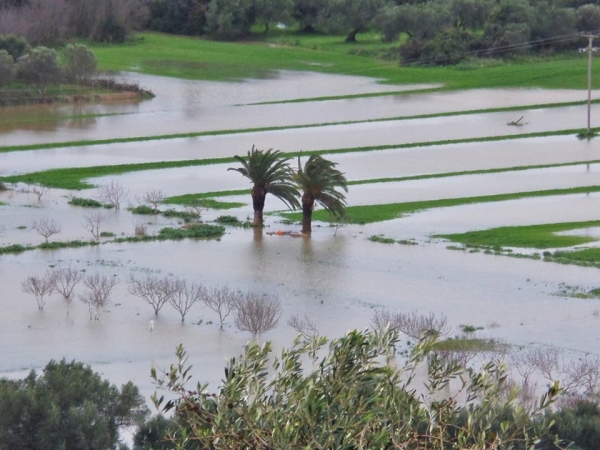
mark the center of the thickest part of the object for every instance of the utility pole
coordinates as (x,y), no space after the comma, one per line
(590,50)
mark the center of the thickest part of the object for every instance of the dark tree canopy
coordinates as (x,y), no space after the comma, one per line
(67,407)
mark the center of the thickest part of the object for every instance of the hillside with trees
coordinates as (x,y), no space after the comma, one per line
(431,32)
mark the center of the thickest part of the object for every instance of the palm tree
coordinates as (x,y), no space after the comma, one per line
(318,180)
(269,174)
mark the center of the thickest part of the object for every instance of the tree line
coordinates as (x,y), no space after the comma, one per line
(419,31)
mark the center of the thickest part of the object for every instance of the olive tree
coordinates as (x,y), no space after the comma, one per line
(267,12)
(16,46)
(39,67)
(350,397)
(349,16)
(229,19)
(7,68)
(588,17)
(80,62)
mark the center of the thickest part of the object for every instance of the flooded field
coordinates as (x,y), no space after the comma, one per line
(338,277)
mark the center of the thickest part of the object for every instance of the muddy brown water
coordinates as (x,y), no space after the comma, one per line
(337,280)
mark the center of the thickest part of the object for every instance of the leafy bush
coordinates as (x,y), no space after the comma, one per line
(85,202)
(142,209)
(580,424)
(69,244)
(349,397)
(185,215)
(15,248)
(7,68)
(194,231)
(80,62)
(15,46)
(39,67)
(382,239)
(229,220)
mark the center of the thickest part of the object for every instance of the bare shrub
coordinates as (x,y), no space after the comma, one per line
(222,301)
(257,313)
(195,207)
(46,227)
(92,222)
(39,191)
(40,288)
(64,280)
(154,199)
(578,377)
(412,324)
(98,295)
(582,376)
(113,194)
(140,229)
(153,290)
(304,326)
(185,296)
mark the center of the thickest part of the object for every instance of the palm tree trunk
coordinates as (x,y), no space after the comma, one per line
(307,209)
(258,204)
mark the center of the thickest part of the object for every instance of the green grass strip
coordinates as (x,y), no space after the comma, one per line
(378,213)
(72,177)
(195,231)
(67,144)
(530,236)
(586,257)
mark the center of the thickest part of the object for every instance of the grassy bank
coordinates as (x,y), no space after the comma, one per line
(194,58)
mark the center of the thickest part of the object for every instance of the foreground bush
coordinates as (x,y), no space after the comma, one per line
(349,398)
(67,407)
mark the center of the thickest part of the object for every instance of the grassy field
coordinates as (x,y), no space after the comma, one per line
(532,236)
(195,58)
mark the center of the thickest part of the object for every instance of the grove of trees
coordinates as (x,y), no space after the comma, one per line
(41,66)
(423,31)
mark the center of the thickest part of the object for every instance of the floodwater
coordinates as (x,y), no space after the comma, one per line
(183,106)
(338,277)
(540,151)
